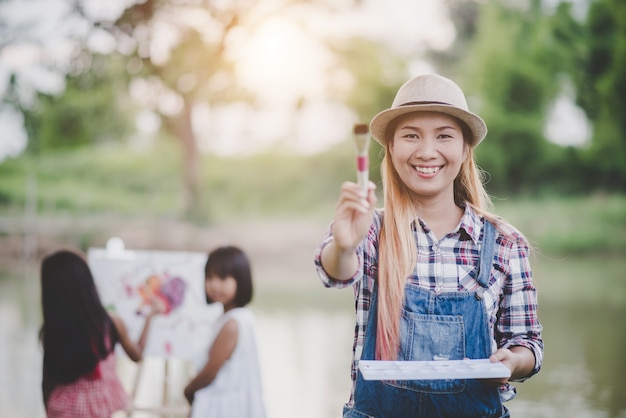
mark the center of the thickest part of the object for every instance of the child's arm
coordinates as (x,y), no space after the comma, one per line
(134,350)
(220,351)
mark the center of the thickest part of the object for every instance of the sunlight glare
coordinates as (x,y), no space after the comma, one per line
(280,62)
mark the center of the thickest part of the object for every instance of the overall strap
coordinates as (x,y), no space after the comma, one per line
(486,255)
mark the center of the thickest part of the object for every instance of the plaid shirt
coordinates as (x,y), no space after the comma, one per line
(449,265)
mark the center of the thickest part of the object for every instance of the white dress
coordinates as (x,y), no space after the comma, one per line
(236,391)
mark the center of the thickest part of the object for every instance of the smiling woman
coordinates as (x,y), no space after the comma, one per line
(280,62)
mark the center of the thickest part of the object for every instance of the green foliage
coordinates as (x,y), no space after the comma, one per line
(514,91)
(273,184)
(602,92)
(513,62)
(377,74)
(105,179)
(561,224)
(92,110)
(113,180)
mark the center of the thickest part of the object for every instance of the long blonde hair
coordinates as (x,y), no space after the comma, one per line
(397,249)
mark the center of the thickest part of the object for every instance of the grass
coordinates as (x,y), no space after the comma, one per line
(114,179)
(594,224)
(117,181)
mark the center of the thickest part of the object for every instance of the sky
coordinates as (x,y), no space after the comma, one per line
(278,59)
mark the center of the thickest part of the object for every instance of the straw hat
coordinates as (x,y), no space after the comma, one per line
(429,92)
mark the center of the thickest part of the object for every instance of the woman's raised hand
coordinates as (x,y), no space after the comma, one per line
(353,215)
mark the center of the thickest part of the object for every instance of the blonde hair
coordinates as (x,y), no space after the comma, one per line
(397,249)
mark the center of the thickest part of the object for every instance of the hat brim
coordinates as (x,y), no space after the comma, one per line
(379,123)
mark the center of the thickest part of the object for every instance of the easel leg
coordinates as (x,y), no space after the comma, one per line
(135,387)
(166,385)
(167,406)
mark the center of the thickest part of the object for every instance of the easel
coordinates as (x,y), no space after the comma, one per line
(166,408)
(129,270)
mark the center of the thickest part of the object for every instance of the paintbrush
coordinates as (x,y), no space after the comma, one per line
(362,142)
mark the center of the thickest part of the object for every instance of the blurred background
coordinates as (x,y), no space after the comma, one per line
(186,124)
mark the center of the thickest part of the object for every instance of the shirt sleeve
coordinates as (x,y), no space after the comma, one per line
(518,323)
(326,279)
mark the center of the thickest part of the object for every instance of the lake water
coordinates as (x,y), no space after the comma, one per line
(305,345)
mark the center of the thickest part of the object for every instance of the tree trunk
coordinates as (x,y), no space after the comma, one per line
(191,160)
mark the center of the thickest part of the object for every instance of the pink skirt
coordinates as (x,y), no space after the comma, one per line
(89,397)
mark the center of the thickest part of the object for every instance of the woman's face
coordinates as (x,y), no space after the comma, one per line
(427,151)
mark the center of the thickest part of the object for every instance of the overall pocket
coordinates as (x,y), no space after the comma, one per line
(427,338)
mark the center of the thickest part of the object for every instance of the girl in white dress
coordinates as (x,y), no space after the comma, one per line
(228,383)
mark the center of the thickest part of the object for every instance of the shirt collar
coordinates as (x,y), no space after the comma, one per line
(468,228)
(471,224)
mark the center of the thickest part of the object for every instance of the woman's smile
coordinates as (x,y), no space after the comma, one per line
(428,170)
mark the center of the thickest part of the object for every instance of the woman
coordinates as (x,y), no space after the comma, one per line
(436,276)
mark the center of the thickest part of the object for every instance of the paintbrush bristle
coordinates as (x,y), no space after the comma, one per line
(360,129)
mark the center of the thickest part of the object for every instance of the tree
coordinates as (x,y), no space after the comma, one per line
(178,52)
(25,70)
(191,64)
(602,92)
(93,109)
(518,58)
(511,87)
(513,60)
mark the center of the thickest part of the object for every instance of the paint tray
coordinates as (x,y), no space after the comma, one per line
(432,370)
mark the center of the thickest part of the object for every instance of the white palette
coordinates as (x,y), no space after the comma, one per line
(430,370)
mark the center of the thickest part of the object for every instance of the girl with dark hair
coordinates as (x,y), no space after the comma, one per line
(78,338)
(228,383)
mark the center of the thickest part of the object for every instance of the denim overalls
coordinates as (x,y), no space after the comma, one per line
(446,326)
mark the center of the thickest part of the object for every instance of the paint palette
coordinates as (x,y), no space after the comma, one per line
(431,370)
